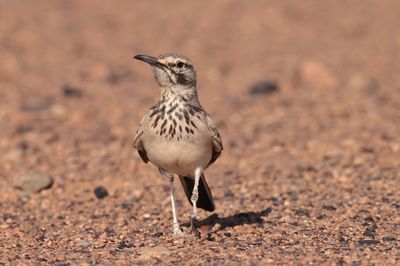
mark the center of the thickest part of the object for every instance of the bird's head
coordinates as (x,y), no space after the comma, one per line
(171,70)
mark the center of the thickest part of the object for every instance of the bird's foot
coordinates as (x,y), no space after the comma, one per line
(193,219)
(177,231)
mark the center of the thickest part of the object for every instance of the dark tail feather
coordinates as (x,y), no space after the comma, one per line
(205,200)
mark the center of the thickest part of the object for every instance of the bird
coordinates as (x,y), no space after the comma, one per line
(177,135)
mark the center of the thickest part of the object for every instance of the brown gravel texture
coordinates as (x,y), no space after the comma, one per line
(306,95)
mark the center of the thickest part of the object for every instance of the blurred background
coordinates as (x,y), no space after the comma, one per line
(306,96)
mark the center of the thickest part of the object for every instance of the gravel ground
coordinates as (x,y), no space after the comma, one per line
(306,96)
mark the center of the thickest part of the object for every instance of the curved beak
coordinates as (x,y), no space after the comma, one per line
(149,59)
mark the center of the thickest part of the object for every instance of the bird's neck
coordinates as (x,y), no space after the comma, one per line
(185,94)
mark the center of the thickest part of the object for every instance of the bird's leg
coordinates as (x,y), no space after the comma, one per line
(195,194)
(176,228)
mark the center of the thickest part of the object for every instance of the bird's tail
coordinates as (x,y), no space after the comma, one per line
(205,200)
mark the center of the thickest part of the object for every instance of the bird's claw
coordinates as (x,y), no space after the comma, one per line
(177,231)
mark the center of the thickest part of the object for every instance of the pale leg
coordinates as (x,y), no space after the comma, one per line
(175,225)
(195,193)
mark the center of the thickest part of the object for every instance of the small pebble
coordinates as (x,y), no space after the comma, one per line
(329,207)
(109,231)
(100,192)
(84,243)
(34,182)
(126,206)
(389,238)
(227,234)
(301,212)
(294,195)
(369,219)
(114,77)
(316,74)
(24,197)
(123,244)
(158,234)
(370,231)
(265,87)
(367,242)
(70,91)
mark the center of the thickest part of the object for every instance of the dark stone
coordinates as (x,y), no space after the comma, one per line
(158,234)
(367,149)
(114,77)
(276,201)
(109,231)
(227,234)
(7,216)
(23,146)
(307,168)
(210,237)
(370,231)
(257,242)
(301,212)
(389,238)
(41,238)
(294,195)
(369,219)
(229,194)
(69,91)
(263,88)
(232,144)
(367,242)
(329,207)
(126,206)
(100,192)
(123,244)
(228,172)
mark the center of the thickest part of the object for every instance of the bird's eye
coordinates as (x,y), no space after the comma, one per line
(180,64)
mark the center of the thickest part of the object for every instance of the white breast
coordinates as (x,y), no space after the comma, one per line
(179,157)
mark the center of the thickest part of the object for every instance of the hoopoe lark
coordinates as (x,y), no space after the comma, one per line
(177,135)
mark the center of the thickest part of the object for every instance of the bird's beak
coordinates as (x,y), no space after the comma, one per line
(150,60)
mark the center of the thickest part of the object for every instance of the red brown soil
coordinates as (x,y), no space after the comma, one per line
(310,173)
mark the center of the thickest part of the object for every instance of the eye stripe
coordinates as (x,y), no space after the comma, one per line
(172,65)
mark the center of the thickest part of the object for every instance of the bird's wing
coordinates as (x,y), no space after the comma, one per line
(216,139)
(137,142)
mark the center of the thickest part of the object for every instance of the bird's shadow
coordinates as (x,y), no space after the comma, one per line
(240,218)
